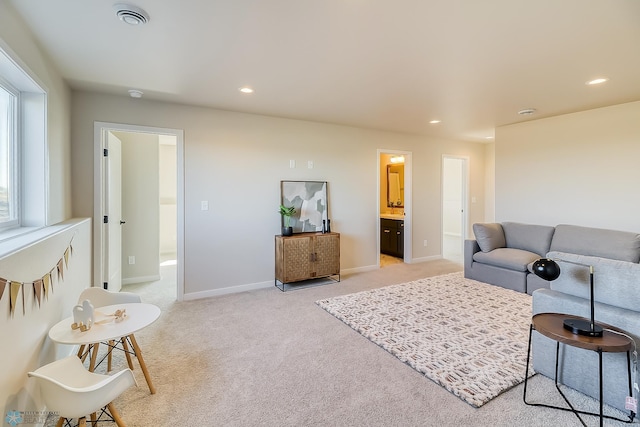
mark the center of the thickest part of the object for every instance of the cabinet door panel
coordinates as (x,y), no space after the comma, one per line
(297,259)
(327,254)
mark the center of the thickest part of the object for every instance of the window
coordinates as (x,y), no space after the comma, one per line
(9,185)
(23,148)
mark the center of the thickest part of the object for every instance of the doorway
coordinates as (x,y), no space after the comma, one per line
(152,200)
(454,208)
(393,209)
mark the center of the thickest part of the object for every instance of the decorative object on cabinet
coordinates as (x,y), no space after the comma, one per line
(305,256)
(309,198)
(286,213)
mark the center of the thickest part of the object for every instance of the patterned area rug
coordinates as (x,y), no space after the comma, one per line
(467,336)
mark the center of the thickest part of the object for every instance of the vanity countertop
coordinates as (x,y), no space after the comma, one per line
(392,216)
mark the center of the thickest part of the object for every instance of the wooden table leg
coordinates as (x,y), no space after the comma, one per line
(111,345)
(60,422)
(138,354)
(80,351)
(94,355)
(82,422)
(126,352)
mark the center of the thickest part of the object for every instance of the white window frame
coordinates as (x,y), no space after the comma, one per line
(13,159)
(31,161)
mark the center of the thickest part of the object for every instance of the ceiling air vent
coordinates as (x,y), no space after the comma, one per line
(130,14)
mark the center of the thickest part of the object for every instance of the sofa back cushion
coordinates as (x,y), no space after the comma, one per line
(489,236)
(612,244)
(528,237)
(614,282)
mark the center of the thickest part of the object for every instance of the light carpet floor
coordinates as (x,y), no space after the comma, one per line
(268,358)
(467,336)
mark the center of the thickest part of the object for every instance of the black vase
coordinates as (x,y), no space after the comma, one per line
(287,231)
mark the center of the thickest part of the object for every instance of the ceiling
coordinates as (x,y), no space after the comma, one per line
(390,65)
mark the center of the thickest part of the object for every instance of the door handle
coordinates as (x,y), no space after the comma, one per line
(122,222)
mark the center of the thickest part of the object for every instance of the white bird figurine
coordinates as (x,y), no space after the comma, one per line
(83,316)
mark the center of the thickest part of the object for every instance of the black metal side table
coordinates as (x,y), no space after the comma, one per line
(551,326)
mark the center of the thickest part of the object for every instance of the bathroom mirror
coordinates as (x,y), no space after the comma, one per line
(395,186)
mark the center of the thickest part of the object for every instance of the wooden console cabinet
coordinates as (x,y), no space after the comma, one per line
(307,256)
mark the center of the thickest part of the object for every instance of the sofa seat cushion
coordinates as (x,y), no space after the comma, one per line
(614,282)
(512,259)
(599,242)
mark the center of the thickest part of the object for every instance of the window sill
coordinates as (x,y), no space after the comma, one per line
(16,239)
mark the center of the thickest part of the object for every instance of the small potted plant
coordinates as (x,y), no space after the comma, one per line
(287,213)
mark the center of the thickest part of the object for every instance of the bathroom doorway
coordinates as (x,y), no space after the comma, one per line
(394,207)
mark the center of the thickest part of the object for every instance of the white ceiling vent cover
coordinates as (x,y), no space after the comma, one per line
(130,14)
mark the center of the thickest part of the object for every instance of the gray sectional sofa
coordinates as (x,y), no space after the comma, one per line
(615,256)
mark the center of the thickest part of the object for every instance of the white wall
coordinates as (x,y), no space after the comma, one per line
(580,168)
(140,206)
(18,40)
(236,161)
(26,344)
(168,201)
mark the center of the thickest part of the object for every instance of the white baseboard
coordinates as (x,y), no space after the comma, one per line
(141,279)
(426,258)
(228,290)
(348,271)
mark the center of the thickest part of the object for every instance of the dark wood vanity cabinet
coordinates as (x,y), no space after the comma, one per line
(392,237)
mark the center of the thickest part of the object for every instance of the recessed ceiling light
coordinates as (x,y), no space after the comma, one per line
(135,93)
(597,81)
(435,122)
(246,89)
(131,15)
(527,111)
(488,137)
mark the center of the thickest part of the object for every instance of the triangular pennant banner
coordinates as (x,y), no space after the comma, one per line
(15,289)
(46,280)
(37,288)
(23,299)
(60,270)
(66,257)
(3,283)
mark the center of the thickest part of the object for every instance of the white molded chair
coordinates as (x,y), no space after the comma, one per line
(99,298)
(72,391)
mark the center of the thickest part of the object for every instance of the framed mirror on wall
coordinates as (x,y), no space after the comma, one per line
(395,185)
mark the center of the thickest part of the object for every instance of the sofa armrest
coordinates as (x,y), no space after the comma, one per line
(470,247)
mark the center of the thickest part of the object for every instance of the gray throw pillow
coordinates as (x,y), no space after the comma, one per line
(489,236)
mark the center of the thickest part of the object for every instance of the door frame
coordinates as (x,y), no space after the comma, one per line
(408,202)
(100,130)
(465,200)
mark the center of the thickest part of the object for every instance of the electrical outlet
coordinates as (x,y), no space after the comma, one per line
(310,164)
(425,243)
(132,259)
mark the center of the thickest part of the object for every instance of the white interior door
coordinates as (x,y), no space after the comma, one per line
(454,176)
(113,207)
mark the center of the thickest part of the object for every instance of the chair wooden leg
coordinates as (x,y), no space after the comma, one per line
(60,422)
(80,351)
(82,422)
(126,352)
(93,419)
(115,415)
(85,352)
(111,345)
